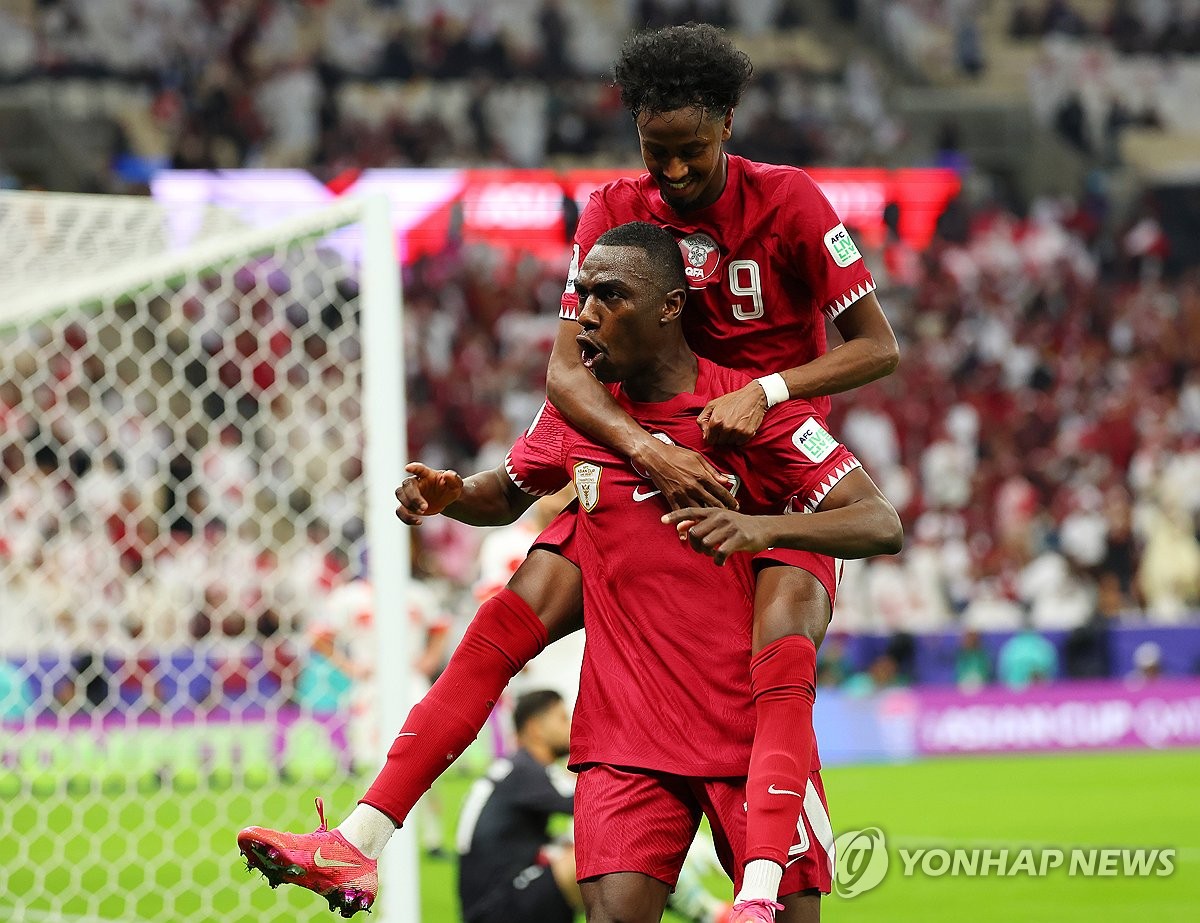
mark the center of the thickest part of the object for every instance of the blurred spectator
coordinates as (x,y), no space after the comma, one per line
(1147,664)
(963,18)
(972,665)
(1169,575)
(882,674)
(1059,16)
(1085,652)
(833,661)
(1057,594)
(1026,659)
(16,696)
(901,264)
(902,648)
(327,676)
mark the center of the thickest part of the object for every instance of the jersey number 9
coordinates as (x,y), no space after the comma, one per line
(746,282)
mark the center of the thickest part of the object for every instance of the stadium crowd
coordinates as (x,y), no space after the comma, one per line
(343,84)
(1041,437)
(1138,69)
(1089,69)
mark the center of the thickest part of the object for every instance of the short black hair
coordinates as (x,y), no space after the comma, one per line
(532,704)
(658,244)
(693,66)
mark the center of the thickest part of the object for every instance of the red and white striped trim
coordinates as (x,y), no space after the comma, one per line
(525,488)
(838,305)
(822,490)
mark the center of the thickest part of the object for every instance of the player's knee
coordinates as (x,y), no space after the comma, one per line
(620,899)
(553,588)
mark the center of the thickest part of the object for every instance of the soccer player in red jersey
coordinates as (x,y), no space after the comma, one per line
(665,694)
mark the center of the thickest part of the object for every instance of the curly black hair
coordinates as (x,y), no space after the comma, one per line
(681,67)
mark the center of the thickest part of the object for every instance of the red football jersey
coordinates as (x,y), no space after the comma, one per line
(666,680)
(766,263)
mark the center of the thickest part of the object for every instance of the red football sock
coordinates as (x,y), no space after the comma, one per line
(783,680)
(504,636)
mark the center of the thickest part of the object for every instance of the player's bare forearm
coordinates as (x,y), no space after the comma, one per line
(863,529)
(869,352)
(855,521)
(486,499)
(489,498)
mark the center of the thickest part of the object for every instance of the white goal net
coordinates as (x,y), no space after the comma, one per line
(186,416)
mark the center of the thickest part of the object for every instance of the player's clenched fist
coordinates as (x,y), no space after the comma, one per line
(719,533)
(732,419)
(426,492)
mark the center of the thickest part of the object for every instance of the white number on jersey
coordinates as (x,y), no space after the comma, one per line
(746,282)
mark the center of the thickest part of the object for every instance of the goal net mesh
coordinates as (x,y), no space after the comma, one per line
(181,536)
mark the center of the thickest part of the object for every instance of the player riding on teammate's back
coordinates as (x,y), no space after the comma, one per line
(775,261)
(769,261)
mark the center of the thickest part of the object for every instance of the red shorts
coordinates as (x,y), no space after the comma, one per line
(826,569)
(559,537)
(631,820)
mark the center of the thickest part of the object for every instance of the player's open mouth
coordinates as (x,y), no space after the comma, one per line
(676,188)
(589,352)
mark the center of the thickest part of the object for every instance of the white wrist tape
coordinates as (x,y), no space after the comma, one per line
(775,388)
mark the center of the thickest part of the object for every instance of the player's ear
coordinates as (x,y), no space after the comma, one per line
(727,127)
(672,306)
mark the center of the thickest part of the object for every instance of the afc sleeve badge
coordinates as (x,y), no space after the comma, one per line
(587,484)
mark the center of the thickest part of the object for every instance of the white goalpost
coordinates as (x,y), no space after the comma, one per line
(201,426)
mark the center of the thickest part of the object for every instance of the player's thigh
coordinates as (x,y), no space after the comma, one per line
(553,588)
(624,897)
(793,600)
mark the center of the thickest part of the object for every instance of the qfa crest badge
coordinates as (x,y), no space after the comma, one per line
(587,484)
(701,257)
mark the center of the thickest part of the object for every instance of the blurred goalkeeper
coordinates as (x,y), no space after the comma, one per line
(665,719)
(510,870)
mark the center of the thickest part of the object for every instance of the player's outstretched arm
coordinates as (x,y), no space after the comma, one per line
(684,477)
(869,352)
(854,521)
(488,498)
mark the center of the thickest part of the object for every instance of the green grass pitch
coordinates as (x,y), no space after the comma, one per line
(60,862)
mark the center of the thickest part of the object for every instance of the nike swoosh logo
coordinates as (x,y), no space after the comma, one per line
(772,790)
(407,734)
(322,863)
(638,496)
